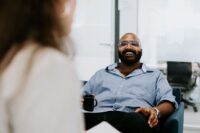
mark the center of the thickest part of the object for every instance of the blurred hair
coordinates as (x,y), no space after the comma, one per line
(21,20)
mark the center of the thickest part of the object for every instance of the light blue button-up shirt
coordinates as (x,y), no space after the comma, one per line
(143,87)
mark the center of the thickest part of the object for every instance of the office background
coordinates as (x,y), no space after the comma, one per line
(169,31)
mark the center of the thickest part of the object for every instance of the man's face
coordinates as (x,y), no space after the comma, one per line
(129,50)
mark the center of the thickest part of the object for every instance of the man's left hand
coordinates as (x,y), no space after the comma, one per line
(151,114)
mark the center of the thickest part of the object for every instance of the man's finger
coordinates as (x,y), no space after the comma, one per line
(138,110)
(154,122)
(152,116)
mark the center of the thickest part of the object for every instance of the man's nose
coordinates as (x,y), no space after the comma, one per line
(129,45)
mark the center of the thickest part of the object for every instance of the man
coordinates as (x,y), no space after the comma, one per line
(131,97)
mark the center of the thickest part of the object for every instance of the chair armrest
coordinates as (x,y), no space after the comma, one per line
(177,94)
(174,123)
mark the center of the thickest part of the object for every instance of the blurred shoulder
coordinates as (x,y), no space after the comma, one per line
(50,55)
(44,59)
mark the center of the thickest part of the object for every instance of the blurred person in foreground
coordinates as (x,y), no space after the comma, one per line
(39,90)
(130,96)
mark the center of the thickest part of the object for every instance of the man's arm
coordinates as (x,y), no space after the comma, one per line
(165,108)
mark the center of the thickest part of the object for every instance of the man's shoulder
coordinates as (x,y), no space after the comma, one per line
(101,70)
(152,70)
(105,69)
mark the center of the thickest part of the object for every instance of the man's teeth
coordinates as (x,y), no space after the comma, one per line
(129,53)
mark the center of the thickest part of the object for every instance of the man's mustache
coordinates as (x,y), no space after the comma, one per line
(124,52)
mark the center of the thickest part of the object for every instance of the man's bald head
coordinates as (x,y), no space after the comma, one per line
(130,36)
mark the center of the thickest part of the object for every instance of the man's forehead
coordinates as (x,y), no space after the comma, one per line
(129,37)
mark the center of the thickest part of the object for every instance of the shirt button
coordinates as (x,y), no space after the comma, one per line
(115,107)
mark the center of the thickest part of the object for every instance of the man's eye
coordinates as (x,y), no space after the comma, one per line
(134,43)
(123,43)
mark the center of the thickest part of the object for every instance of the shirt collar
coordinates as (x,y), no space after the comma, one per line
(144,68)
(112,67)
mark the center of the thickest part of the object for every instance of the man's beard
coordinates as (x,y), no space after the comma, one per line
(127,61)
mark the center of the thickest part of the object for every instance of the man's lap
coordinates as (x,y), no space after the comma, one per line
(126,122)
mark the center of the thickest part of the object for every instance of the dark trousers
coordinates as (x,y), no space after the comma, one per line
(124,122)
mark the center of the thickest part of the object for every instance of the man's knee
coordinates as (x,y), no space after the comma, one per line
(137,119)
(92,119)
(135,122)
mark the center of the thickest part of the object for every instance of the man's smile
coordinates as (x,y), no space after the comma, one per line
(129,54)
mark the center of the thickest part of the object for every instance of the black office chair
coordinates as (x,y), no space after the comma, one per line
(179,75)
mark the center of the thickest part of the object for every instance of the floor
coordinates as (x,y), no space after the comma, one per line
(191,118)
(191,121)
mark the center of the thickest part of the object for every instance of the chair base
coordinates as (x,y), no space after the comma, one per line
(187,102)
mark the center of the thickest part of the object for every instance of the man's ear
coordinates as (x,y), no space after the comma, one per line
(141,52)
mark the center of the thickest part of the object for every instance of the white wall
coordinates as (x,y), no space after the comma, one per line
(170,30)
(93,35)
(128,16)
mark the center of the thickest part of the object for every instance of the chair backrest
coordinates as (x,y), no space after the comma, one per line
(179,72)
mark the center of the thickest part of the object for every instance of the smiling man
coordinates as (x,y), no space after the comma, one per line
(130,96)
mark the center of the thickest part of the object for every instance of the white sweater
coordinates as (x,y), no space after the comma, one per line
(50,99)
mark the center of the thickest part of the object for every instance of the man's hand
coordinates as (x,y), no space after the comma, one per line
(151,114)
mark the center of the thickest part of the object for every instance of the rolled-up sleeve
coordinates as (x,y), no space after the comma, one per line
(164,91)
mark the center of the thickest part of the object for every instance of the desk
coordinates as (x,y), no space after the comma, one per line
(163,68)
(160,66)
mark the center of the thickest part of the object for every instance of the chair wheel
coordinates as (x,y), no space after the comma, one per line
(195,109)
(185,106)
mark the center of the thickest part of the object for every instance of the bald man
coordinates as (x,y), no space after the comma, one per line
(131,96)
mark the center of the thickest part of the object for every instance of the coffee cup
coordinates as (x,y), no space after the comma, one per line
(89,102)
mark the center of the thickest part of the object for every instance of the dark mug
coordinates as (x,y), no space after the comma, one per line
(89,102)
